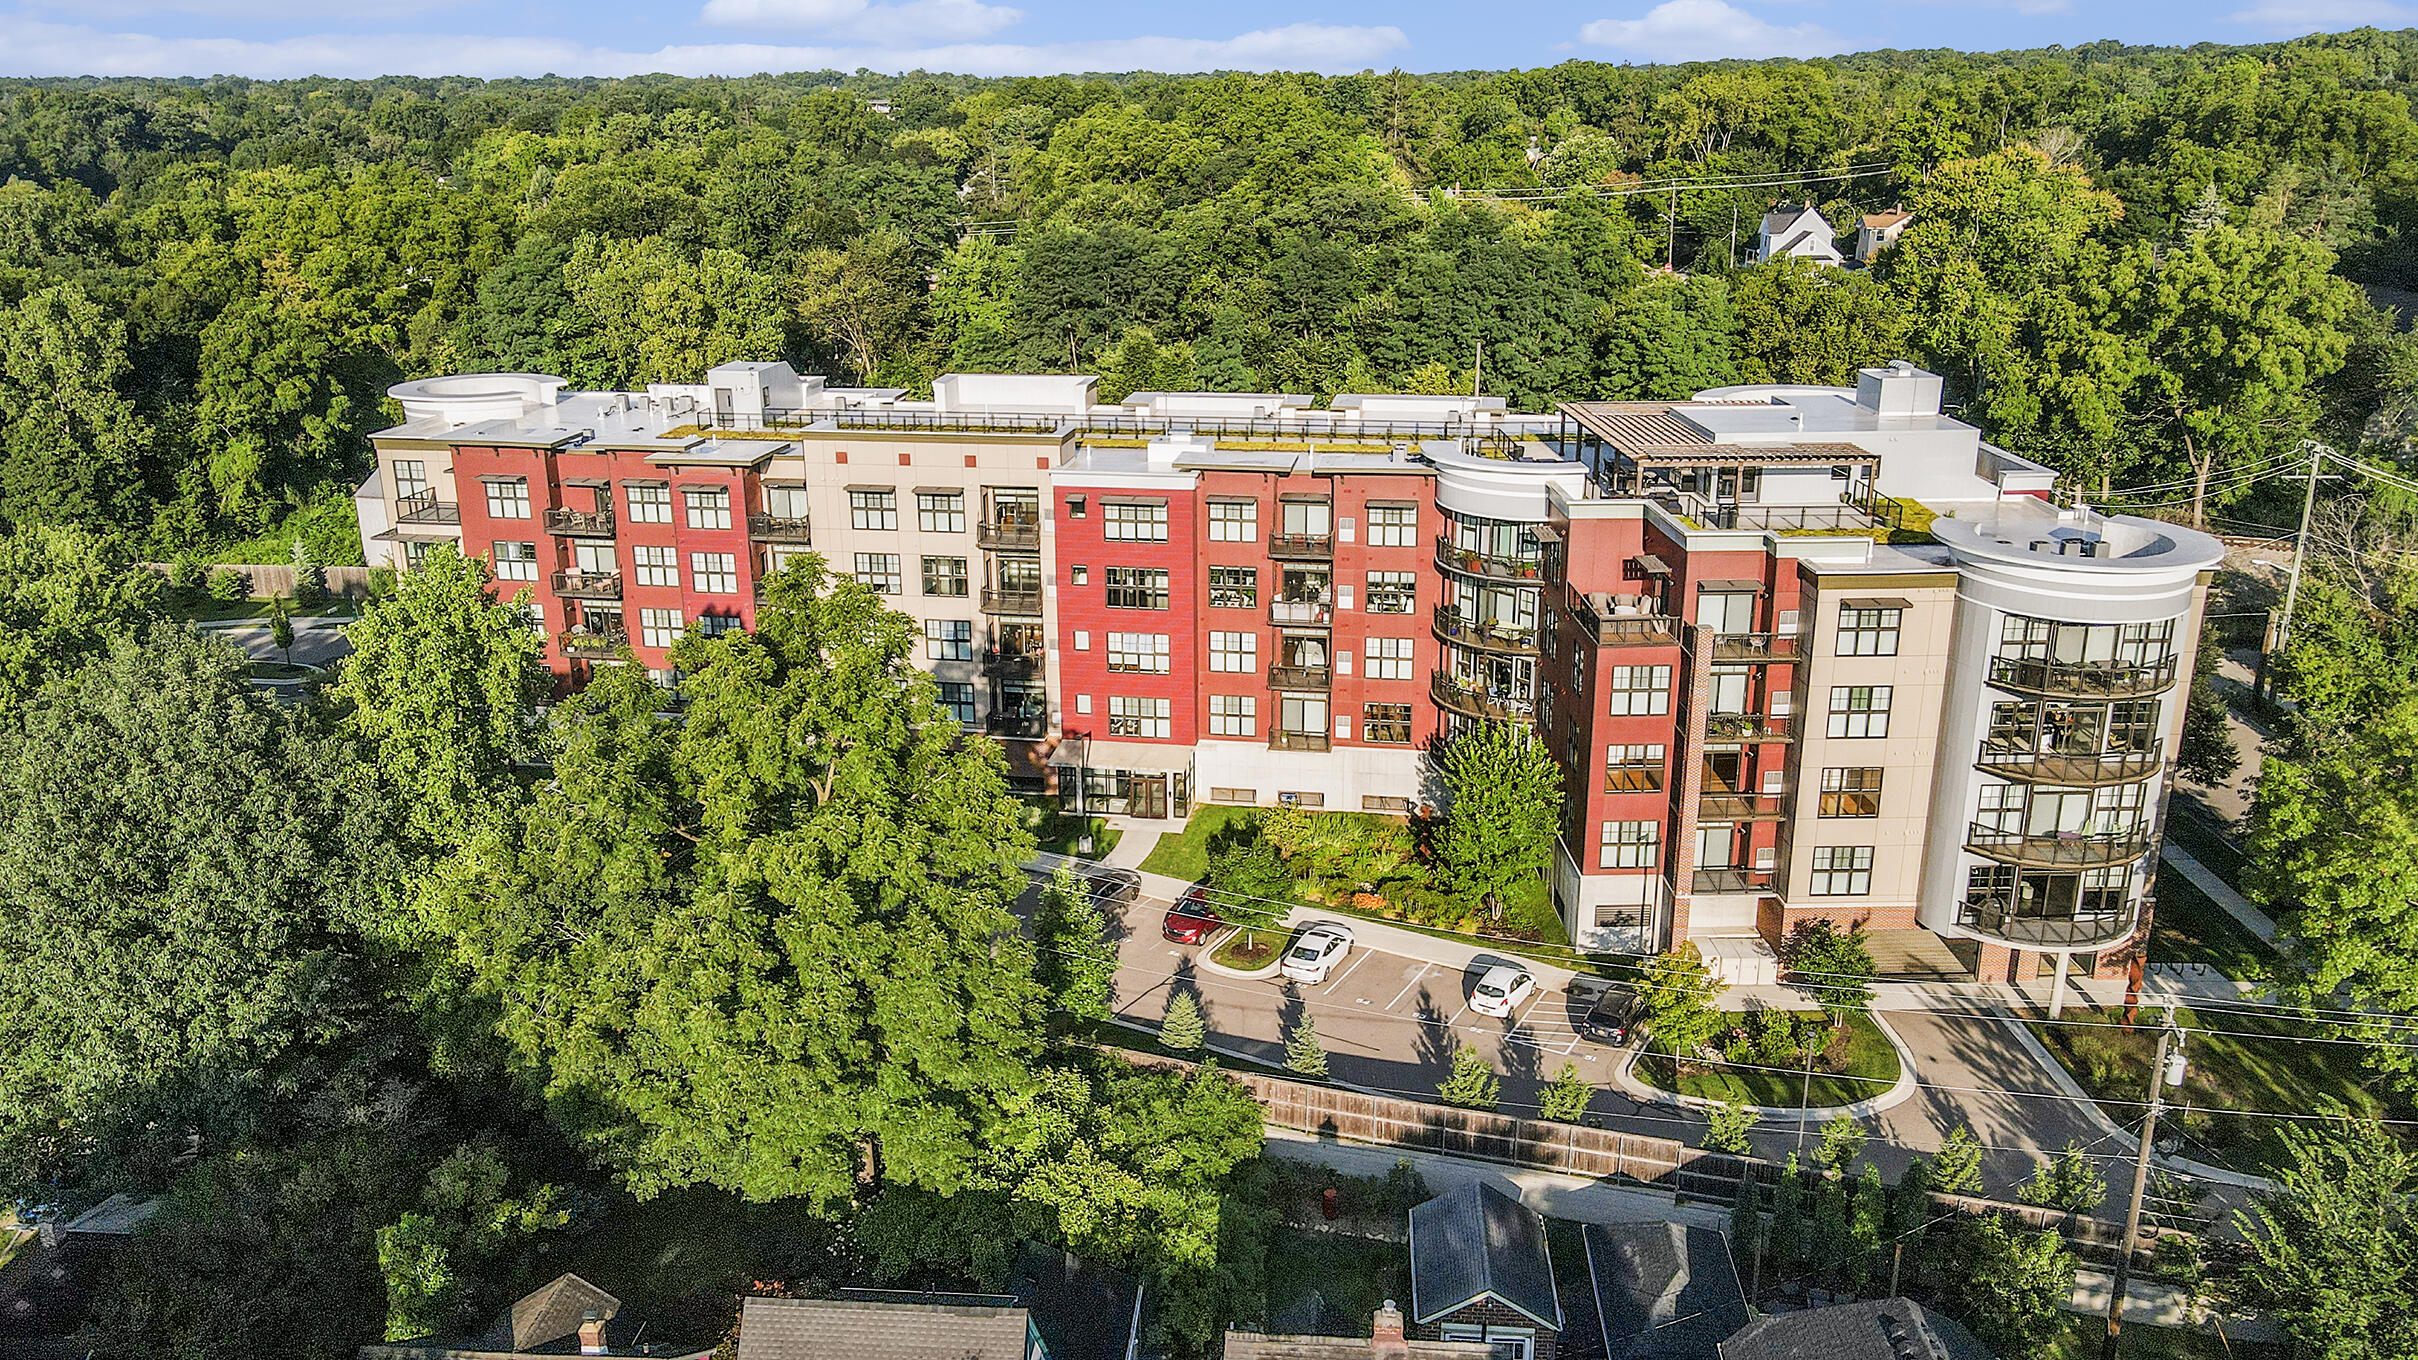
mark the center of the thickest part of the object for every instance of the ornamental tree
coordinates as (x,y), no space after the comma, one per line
(1505,810)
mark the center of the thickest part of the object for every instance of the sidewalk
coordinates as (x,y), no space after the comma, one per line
(2207,880)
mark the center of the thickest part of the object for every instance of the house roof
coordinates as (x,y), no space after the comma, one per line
(908,1327)
(1475,1242)
(1663,1291)
(1082,1311)
(550,1312)
(1875,1329)
(1882,221)
(1255,1346)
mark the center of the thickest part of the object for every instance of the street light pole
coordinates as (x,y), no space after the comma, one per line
(1804,1097)
(2132,1213)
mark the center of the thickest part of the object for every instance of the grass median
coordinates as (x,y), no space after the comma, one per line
(1859,1064)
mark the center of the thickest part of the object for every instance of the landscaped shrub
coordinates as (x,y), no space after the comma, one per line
(227,585)
(187,576)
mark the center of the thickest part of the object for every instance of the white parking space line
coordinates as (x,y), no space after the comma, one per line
(1424,969)
(1337,980)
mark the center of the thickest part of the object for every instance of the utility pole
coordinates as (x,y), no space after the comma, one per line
(1733,234)
(1804,1097)
(2300,552)
(1477,371)
(2159,1076)
(1670,232)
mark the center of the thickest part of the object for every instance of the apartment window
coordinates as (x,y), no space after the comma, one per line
(1075,506)
(1859,710)
(415,553)
(411,476)
(714,573)
(715,625)
(2132,725)
(1234,587)
(1638,690)
(948,640)
(516,561)
(1393,526)
(1134,521)
(1868,630)
(1233,715)
(1142,652)
(945,576)
(1630,845)
(872,509)
(1128,717)
(1633,769)
(508,498)
(650,502)
(957,696)
(940,512)
(1233,521)
(1303,713)
(1392,592)
(1137,588)
(659,627)
(1389,658)
(878,572)
(1237,653)
(656,566)
(707,507)
(1842,871)
(785,502)
(1389,724)
(1851,792)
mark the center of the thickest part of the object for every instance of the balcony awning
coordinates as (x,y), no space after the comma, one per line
(1150,756)
(1651,565)
(1730,587)
(1881,602)
(587,481)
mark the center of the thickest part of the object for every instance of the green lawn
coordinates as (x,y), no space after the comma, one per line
(280,670)
(1251,949)
(1061,833)
(1350,1275)
(2255,1065)
(222,611)
(1868,1066)
(2191,928)
(1185,855)
(2083,1337)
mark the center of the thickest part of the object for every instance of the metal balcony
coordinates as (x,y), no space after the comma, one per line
(2081,679)
(1298,741)
(1301,547)
(1013,665)
(1471,562)
(1017,602)
(423,507)
(1740,805)
(570,523)
(1475,702)
(1008,534)
(603,643)
(1731,879)
(1281,676)
(588,585)
(2058,849)
(1744,728)
(1625,620)
(1998,920)
(779,529)
(1758,646)
(1494,637)
(1016,726)
(2080,770)
(1301,613)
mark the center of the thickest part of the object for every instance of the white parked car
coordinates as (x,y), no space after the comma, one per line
(1503,990)
(1316,952)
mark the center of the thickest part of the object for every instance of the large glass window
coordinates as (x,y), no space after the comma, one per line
(1233,715)
(940,512)
(945,576)
(515,561)
(659,627)
(1392,592)
(1842,871)
(1304,713)
(1393,526)
(1143,652)
(714,573)
(1868,631)
(1137,588)
(1134,521)
(508,498)
(1389,658)
(411,476)
(872,509)
(878,572)
(1388,724)
(1234,653)
(1851,792)
(1638,690)
(1132,717)
(1634,768)
(1631,845)
(657,565)
(1859,710)
(1234,587)
(1233,521)
(948,640)
(708,507)
(650,502)
(785,502)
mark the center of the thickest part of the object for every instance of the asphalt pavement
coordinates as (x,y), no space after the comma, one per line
(318,639)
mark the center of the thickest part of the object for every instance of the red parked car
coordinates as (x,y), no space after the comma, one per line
(1192,920)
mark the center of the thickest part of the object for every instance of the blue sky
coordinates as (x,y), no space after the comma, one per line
(272,38)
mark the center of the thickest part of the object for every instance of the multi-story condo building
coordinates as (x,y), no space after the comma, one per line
(1802,652)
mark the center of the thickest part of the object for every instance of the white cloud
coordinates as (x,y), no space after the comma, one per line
(864,21)
(1707,30)
(2307,16)
(32,48)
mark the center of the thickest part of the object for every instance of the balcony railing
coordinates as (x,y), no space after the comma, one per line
(588,585)
(1999,919)
(1298,741)
(1009,533)
(1492,637)
(595,642)
(1281,676)
(1471,562)
(779,529)
(2083,769)
(423,507)
(2081,679)
(1301,613)
(2058,849)
(1475,701)
(1731,879)
(1625,620)
(1758,646)
(1301,547)
(1739,805)
(580,523)
(1020,726)
(1011,665)
(1749,727)
(1017,602)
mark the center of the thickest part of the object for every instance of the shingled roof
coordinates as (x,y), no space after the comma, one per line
(910,1327)
(551,1312)
(1476,1242)
(1663,1291)
(1875,1329)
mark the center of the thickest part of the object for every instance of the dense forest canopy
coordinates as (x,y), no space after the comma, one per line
(2135,262)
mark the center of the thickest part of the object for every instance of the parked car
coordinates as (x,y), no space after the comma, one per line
(1191,920)
(1502,990)
(1316,952)
(1614,1019)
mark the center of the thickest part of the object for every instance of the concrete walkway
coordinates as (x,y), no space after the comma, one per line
(2207,880)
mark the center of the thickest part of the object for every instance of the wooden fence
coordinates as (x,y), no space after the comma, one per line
(268,579)
(1575,1150)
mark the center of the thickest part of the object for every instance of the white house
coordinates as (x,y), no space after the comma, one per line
(1879,231)
(1798,229)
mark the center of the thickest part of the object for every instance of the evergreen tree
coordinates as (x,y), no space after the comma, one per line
(1181,1030)
(1472,1083)
(281,628)
(1841,1143)
(1956,1167)
(1789,1226)
(1868,1206)
(1910,1200)
(1567,1096)
(2008,1284)
(1726,1127)
(2069,1181)
(1833,1247)
(1303,1052)
(2207,754)
(1074,961)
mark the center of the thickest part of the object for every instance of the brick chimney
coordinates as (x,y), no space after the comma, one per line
(591,1335)
(1385,1340)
